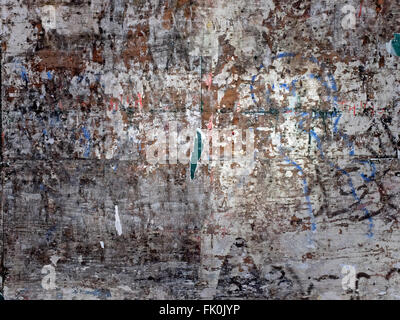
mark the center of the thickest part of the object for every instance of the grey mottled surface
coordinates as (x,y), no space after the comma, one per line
(82,87)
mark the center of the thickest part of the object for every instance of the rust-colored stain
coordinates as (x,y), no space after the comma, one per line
(59,60)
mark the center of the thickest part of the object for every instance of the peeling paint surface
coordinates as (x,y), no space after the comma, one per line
(117,122)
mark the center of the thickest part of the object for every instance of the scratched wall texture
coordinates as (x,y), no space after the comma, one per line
(84,215)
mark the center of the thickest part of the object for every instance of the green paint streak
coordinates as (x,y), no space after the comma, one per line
(198,148)
(396,44)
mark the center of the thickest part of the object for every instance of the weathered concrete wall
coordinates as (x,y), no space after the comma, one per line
(85,215)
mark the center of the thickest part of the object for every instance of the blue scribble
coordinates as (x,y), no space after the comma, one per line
(333,82)
(305,190)
(370,177)
(315,136)
(335,129)
(333,86)
(319,145)
(344,172)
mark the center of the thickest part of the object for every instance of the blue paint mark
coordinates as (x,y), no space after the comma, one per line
(314,76)
(95,292)
(49,76)
(305,190)
(50,233)
(284,55)
(350,145)
(86,134)
(252,94)
(314,60)
(370,177)
(350,181)
(285,86)
(253,79)
(333,82)
(333,86)
(24,75)
(303,115)
(293,86)
(268,95)
(335,129)
(319,146)
(355,196)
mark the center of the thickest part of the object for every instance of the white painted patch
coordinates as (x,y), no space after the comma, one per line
(125,288)
(389,48)
(54,259)
(48,17)
(117,222)
(49,280)
(102,244)
(349,280)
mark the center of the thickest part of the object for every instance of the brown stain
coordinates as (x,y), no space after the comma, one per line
(181,3)
(365,40)
(167,19)
(136,46)
(379,5)
(307,256)
(125,117)
(230,97)
(189,11)
(97,55)
(9,91)
(382,62)
(39,27)
(57,59)
(295,221)
(248,260)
